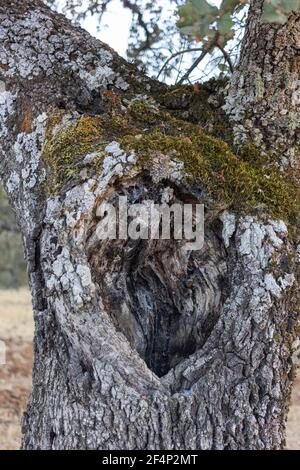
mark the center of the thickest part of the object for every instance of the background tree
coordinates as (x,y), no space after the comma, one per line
(142,344)
(12,263)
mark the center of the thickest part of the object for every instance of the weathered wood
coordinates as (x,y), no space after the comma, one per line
(138,345)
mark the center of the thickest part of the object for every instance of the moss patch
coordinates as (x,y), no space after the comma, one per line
(194,103)
(64,151)
(245,180)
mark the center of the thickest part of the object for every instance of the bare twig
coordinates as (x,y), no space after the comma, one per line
(151,36)
(195,64)
(176,54)
(226,57)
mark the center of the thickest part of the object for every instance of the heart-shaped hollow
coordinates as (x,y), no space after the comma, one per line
(164,299)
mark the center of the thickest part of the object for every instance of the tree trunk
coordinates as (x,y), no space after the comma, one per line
(264,92)
(141,344)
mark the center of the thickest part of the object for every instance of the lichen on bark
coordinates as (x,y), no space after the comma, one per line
(240,178)
(68,141)
(141,344)
(263,94)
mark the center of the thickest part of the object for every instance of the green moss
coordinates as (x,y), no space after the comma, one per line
(143,112)
(244,180)
(193,103)
(238,181)
(64,151)
(116,125)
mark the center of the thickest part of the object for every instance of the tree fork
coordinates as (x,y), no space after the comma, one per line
(139,344)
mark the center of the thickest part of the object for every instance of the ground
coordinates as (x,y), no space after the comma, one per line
(16,330)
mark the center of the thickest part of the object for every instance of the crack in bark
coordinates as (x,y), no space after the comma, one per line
(226,316)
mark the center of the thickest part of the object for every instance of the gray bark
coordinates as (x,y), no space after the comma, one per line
(264,92)
(138,345)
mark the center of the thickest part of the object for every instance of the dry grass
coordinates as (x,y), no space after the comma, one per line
(293,426)
(15,377)
(16,330)
(16,314)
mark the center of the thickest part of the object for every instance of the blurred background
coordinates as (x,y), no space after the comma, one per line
(146,33)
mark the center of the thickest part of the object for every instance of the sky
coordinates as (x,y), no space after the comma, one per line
(115,26)
(115,32)
(118,20)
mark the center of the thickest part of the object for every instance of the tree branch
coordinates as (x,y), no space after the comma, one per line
(176,54)
(194,65)
(227,57)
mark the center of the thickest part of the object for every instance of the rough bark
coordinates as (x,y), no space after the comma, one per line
(138,345)
(264,92)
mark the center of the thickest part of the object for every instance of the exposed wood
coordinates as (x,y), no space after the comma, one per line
(138,345)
